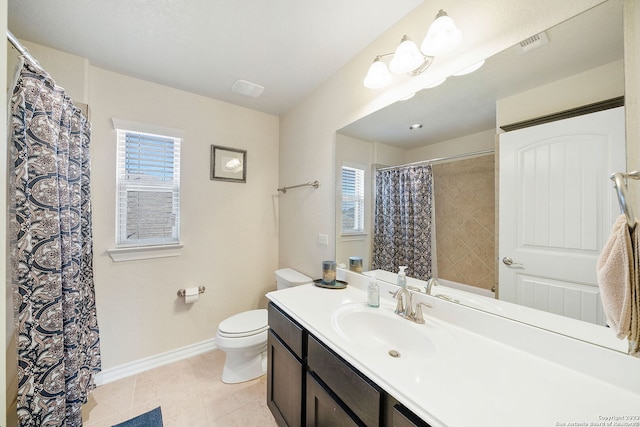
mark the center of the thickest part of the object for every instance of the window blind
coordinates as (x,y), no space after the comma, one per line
(352,200)
(148,182)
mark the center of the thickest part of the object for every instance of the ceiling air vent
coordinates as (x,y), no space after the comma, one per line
(532,42)
(247,88)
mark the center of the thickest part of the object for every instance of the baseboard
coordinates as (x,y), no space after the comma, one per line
(139,366)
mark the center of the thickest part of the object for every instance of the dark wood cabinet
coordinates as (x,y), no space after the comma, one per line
(288,330)
(402,417)
(357,392)
(323,409)
(284,374)
(285,369)
(308,384)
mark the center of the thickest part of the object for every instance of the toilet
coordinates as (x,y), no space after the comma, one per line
(243,336)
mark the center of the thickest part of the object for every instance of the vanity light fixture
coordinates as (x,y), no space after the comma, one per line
(442,37)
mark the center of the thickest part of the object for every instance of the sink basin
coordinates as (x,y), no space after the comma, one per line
(381,331)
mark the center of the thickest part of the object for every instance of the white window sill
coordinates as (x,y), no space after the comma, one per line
(347,237)
(144,252)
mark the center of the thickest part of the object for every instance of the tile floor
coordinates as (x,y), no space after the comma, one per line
(190,394)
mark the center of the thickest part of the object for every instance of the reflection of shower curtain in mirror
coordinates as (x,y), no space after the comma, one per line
(51,252)
(402,220)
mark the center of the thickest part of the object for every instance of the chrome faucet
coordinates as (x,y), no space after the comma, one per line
(404,306)
(430,284)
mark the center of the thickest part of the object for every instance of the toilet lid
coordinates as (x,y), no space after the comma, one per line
(245,323)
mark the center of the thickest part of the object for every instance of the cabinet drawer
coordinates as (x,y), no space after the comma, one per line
(402,417)
(359,394)
(291,334)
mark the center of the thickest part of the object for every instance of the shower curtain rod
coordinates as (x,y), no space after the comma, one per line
(21,49)
(439,159)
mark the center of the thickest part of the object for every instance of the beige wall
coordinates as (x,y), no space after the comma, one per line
(591,86)
(354,152)
(308,131)
(480,141)
(229,230)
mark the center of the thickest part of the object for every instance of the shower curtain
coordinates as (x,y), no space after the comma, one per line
(51,252)
(402,220)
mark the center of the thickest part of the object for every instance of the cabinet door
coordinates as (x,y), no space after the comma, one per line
(323,410)
(402,417)
(284,384)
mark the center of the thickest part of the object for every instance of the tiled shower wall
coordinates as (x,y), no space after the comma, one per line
(465,221)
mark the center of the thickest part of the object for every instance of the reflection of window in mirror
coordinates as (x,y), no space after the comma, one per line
(352,199)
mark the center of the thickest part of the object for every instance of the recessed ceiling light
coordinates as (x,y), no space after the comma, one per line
(415,126)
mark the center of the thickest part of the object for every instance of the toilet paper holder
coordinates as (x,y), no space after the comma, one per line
(182,292)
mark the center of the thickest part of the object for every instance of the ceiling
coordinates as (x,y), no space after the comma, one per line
(203,46)
(467,104)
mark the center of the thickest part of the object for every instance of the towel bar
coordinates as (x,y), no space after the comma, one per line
(619,183)
(314,184)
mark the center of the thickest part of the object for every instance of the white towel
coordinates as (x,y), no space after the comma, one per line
(618,268)
(634,335)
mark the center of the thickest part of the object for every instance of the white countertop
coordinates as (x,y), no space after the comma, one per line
(472,380)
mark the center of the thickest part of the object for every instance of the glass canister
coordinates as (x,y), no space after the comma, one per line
(355,264)
(329,272)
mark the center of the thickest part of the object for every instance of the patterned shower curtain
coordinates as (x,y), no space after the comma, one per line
(51,252)
(402,220)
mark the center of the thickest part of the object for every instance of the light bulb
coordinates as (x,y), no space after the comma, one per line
(443,36)
(407,57)
(378,75)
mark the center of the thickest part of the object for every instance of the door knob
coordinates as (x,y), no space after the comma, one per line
(508,261)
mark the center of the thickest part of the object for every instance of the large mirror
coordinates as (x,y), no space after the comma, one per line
(460,120)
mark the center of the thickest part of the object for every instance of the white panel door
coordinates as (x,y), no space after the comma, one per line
(557,206)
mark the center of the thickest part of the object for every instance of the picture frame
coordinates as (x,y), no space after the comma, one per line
(228,164)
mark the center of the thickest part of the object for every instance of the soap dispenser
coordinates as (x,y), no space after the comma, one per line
(402,277)
(373,292)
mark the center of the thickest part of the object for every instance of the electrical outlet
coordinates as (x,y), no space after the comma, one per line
(323,239)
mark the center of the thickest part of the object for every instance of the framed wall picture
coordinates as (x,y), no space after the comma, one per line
(228,164)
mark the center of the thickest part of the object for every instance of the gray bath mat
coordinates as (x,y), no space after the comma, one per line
(152,418)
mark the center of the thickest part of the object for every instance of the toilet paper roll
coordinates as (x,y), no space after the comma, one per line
(191,295)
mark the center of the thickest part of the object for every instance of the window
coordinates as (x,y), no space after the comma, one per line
(148,188)
(352,200)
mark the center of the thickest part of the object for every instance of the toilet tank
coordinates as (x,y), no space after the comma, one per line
(288,277)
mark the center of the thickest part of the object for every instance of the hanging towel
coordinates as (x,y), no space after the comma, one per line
(634,335)
(617,270)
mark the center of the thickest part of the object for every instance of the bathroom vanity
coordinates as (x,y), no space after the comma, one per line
(335,361)
(309,384)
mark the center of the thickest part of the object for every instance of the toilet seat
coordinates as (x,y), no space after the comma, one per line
(248,323)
